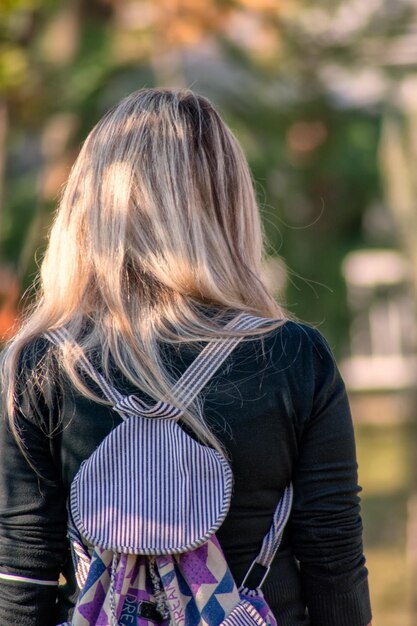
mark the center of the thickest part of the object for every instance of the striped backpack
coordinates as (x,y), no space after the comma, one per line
(148,502)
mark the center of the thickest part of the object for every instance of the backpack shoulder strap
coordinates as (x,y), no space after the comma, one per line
(210,358)
(270,544)
(185,389)
(62,336)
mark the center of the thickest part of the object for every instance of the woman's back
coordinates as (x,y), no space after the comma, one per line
(278,406)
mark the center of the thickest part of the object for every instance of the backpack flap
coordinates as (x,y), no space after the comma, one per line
(150,488)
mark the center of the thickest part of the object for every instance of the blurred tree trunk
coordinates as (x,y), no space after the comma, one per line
(3,134)
(398,159)
(398,165)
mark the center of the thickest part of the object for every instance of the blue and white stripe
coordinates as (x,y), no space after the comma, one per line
(79,553)
(244,614)
(149,488)
(273,539)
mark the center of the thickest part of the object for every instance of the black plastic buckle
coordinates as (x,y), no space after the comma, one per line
(255,576)
(149,611)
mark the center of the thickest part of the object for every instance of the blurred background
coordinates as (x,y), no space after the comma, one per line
(323,97)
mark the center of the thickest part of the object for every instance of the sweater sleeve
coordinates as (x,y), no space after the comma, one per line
(33,542)
(326,523)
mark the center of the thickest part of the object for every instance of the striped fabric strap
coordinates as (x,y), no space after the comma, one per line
(79,553)
(244,614)
(185,389)
(210,358)
(62,336)
(272,539)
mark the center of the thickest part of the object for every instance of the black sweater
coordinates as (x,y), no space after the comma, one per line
(280,408)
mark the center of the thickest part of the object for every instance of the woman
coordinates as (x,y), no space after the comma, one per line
(156,245)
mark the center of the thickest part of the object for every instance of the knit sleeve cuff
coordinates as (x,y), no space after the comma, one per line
(350,608)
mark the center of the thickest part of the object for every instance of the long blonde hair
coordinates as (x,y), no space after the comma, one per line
(158,224)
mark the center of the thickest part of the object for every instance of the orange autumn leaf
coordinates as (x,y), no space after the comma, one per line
(9,320)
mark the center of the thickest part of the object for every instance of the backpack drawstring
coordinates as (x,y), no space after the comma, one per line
(113,610)
(158,592)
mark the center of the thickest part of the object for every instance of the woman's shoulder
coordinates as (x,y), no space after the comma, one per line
(33,377)
(295,352)
(298,338)
(35,367)
(32,355)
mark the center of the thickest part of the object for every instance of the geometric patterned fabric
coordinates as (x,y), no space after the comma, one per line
(198,586)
